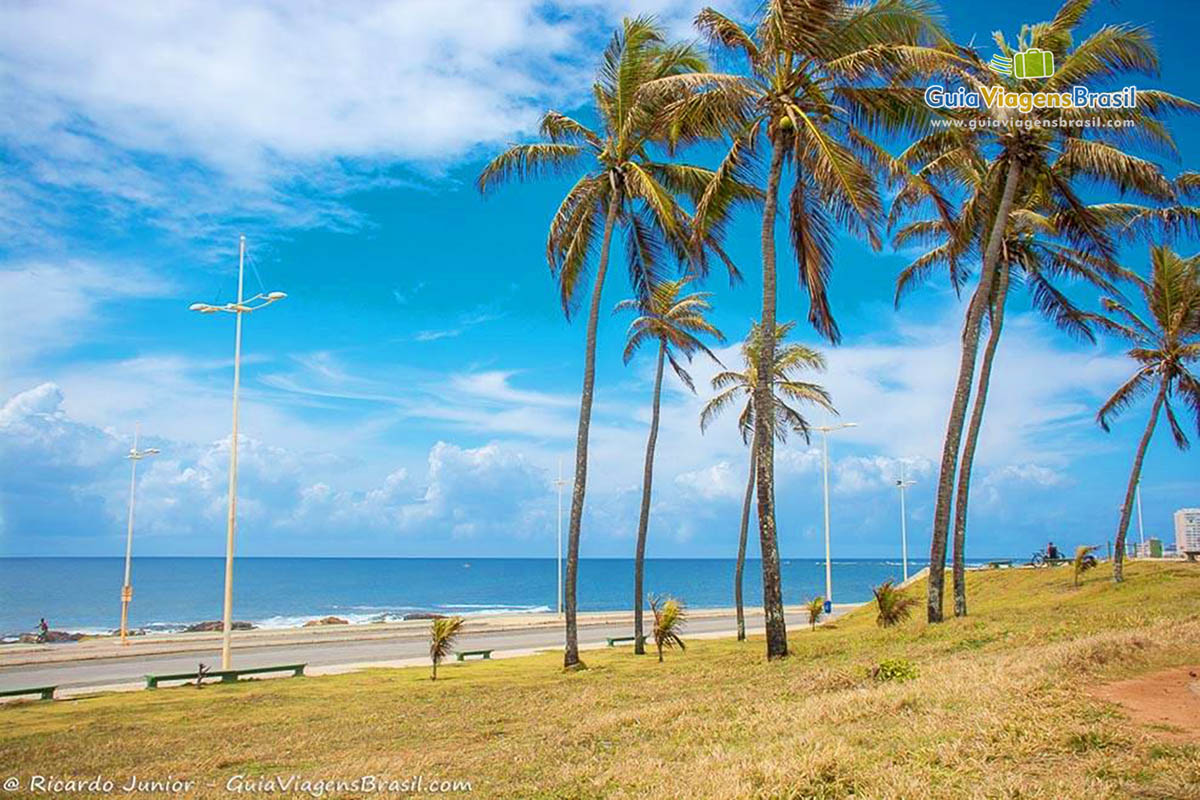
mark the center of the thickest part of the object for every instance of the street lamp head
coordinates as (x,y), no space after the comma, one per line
(849,424)
(276,295)
(153,451)
(199,307)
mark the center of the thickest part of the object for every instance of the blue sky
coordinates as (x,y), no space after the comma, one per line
(416,391)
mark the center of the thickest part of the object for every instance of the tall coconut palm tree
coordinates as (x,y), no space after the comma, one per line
(675,324)
(1046,241)
(1020,152)
(620,186)
(820,75)
(786,389)
(1166,349)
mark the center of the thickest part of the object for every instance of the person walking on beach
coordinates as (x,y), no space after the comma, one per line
(43,630)
(1051,551)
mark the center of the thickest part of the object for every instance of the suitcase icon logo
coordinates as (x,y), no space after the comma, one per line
(1031,63)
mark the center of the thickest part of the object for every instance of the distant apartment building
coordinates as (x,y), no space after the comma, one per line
(1187,530)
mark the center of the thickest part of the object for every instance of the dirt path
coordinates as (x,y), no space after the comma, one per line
(1168,701)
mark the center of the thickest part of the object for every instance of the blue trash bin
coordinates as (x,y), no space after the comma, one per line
(828,606)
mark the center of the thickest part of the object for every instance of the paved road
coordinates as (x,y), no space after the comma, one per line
(130,669)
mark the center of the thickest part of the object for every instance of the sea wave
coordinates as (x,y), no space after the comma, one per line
(379,609)
(365,615)
(361,615)
(492,608)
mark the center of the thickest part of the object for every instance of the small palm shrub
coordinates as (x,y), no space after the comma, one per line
(816,607)
(1083,561)
(669,619)
(894,605)
(894,669)
(442,635)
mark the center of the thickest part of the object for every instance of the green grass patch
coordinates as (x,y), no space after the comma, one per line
(996,705)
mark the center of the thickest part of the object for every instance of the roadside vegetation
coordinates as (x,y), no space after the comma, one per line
(892,605)
(443,634)
(824,101)
(994,705)
(816,609)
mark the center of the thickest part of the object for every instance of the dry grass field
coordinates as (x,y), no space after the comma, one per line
(1002,706)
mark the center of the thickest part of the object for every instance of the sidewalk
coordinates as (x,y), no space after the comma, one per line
(516,653)
(12,655)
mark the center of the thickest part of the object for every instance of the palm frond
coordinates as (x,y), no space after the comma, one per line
(525,161)
(1126,395)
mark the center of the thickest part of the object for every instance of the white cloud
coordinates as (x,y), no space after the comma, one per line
(53,468)
(719,481)
(481,490)
(898,389)
(68,480)
(490,439)
(42,401)
(242,86)
(46,306)
(496,387)
(1034,474)
(856,474)
(189,113)
(434,335)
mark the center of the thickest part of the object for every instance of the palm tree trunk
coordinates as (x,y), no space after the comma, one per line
(764,438)
(571,648)
(968,454)
(639,562)
(1127,506)
(962,394)
(741,556)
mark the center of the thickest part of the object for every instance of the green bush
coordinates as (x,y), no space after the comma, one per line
(894,669)
(816,607)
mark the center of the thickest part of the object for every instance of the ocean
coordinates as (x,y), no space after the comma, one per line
(83,594)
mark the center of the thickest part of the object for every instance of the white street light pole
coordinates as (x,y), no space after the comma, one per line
(227,614)
(902,485)
(134,456)
(559,483)
(825,430)
(242,306)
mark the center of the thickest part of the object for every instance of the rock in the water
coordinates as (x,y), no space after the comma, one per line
(423,615)
(215,625)
(313,623)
